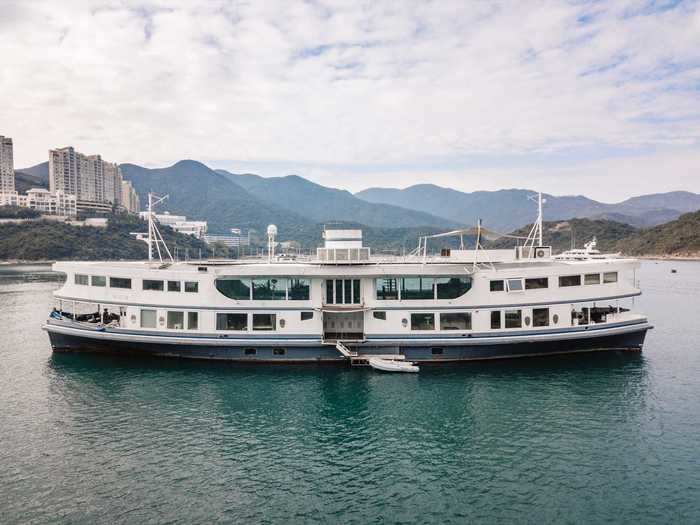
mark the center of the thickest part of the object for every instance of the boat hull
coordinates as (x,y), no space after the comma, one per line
(629,338)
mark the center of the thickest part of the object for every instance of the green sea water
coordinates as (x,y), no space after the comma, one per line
(603,438)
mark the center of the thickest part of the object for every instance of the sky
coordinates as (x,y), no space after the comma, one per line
(593,98)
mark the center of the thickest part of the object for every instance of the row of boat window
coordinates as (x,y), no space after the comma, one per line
(518,285)
(463,320)
(125,283)
(179,320)
(266,289)
(410,288)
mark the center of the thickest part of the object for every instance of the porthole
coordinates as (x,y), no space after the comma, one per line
(555,318)
(282,323)
(250,351)
(133,318)
(404,322)
(279,351)
(527,320)
(161,321)
(436,351)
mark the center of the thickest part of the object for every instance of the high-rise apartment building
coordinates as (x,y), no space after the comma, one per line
(7,166)
(130,199)
(96,184)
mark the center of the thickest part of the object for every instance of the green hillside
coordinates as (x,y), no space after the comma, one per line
(321,204)
(51,240)
(680,237)
(562,234)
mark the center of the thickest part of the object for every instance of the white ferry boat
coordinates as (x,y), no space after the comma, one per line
(347,305)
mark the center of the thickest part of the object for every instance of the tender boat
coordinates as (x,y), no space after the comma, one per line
(392,365)
(347,305)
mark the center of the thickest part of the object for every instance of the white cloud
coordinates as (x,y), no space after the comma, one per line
(335,87)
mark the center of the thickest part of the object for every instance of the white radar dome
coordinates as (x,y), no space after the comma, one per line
(272,229)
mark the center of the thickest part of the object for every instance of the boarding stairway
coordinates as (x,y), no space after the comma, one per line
(345,350)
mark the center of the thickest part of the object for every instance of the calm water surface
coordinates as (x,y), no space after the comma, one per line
(600,438)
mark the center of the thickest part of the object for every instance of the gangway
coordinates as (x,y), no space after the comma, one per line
(345,350)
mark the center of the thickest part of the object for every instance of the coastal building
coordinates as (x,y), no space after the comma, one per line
(95,183)
(7,169)
(235,239)
(43,201)
(130,199)
(180,224)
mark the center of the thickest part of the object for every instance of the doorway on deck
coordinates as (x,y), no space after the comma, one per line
(343,325)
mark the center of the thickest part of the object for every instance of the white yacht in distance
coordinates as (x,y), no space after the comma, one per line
(347,305)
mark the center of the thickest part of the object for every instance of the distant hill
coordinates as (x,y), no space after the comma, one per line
(52,240)
(322,204)
(201,193)
(32,177)
(680,237)
(40,170)
(26,181)
(509,209)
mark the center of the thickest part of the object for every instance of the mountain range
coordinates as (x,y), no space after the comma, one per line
(506,210)
(300,207)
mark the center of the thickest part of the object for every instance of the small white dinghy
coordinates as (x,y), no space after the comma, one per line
(391,365)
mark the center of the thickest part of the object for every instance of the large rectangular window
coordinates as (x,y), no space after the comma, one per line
(98,280)
(173,286)
(497,286)
(329,292)
(452,287)
(299,289)
(495,319)
(272,289)
(591,278)
(238,289)
(347,292)
(176,320)
(81,279)
(343,291)
(148,318)
(422,321)
(569,280)
(456,321)
(119,282)
(417,288)
(156,286)
(192,320)
(191,286)
(231,321)
(540,317)
(514,319)
(610,277)
(387,289)
(264,321)
(536,282)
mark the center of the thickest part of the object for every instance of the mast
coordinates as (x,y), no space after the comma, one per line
(154,235)
(539,216)
(150,226)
